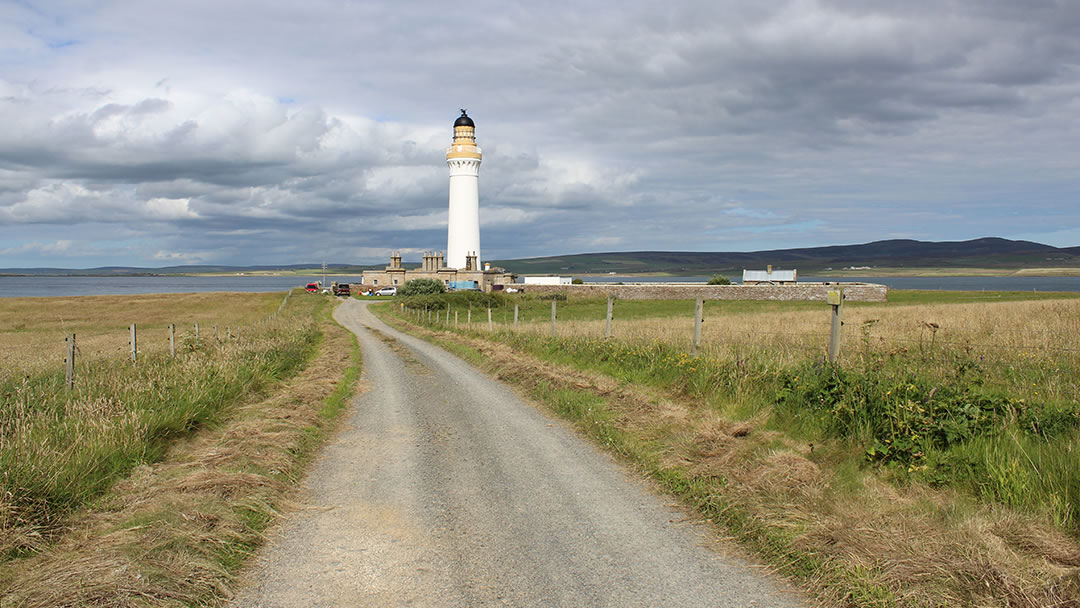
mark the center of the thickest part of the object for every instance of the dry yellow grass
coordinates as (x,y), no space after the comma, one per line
(175,532)
(990,327)
(1042,337)
(32,330)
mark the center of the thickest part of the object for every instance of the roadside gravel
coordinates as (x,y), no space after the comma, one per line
(445,489)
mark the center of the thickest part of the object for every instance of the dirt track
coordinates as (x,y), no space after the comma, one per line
(444,489)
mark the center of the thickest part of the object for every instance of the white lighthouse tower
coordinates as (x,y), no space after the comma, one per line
(463,231)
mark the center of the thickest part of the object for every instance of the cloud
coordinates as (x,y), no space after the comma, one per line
(62,247)
(264,132)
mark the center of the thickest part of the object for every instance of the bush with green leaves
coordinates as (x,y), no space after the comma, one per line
(577,281)
(455,299)
(719,279)
(422,287)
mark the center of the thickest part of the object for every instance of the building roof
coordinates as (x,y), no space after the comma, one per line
(464,120)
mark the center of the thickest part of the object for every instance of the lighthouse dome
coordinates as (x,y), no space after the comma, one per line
(464,120)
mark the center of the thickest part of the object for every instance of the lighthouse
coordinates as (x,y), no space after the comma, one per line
(463,226)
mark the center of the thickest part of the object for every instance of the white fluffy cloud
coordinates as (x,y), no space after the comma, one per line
(267,132)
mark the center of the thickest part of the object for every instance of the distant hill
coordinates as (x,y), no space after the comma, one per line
(991,253)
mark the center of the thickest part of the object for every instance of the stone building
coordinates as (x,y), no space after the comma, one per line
(433,266)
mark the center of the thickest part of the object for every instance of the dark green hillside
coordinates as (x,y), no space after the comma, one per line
(985,253)
(989,253)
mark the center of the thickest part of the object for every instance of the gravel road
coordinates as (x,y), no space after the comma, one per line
(445,489)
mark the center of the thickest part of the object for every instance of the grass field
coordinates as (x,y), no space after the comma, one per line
(60,449)
(151,485)
(935,464)
(32,330)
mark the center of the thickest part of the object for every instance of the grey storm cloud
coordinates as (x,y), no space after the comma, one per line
(271,132)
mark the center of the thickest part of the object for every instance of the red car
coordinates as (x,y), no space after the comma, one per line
(312,287)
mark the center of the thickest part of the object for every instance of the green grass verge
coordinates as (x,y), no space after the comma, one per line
(60,449)
(593,416)
(960,425)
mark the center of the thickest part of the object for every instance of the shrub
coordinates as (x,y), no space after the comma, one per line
(577,281)
(719,279)
(420,287)
(433,301)
(455,299)
(903,417)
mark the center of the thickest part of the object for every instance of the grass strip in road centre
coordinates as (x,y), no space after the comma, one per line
(175,532)
(854,533)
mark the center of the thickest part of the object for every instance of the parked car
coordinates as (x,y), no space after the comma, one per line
(386,291)
(312,287)
(342,289)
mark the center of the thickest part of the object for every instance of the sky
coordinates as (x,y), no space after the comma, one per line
(148,133)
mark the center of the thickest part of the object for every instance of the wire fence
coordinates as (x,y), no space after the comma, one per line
(1042,339)
(137,341)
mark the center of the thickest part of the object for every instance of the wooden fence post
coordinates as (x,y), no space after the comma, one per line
(699,314)
(468,319)
(607,328)
(515,316)
(447,316)
(172,340)
(134,345)
(69,362)
(836,300)
(228,333)
(489,319)
(455,319)
(552,317)
(197,331)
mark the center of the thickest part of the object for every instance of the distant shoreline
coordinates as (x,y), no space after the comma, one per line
(872,271)
(861,272)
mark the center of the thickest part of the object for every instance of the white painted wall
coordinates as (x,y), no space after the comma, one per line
(463,222)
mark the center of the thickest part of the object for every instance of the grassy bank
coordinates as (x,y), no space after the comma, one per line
(60,448)
(935,465)
(170,518)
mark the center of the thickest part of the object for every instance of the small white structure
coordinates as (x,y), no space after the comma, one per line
(548,280)
(463,222)
(769,277)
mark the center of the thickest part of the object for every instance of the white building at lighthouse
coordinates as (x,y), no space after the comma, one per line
(463,230)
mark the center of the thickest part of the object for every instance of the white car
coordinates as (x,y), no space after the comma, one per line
(386,291)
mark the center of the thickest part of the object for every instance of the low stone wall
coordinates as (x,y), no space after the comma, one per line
(853,292)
